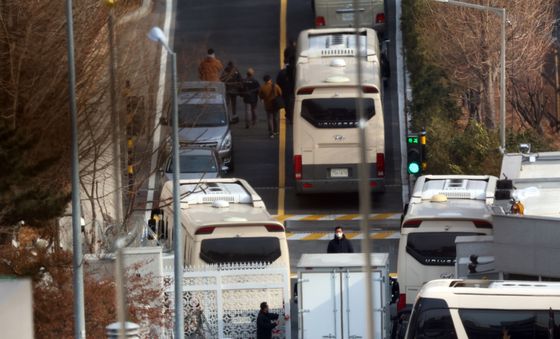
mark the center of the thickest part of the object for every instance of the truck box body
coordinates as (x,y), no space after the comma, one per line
(331,296)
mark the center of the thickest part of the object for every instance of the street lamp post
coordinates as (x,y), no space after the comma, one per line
(77,264)
(502,13)
(156,34)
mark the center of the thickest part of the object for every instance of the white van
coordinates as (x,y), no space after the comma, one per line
(480,309)
(325,126)
(223,221)
(441,208)
(341,13)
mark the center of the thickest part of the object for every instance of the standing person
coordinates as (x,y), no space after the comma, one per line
(268,93)
(210,67)
(232,80)
(266,322)
(285,79)
(250,97)
(340,244)
(290,53)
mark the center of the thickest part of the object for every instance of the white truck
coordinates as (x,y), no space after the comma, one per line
(331,290)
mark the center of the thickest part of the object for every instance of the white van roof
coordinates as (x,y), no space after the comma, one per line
(468,187)
(459,293)
(326,58)
(211,191)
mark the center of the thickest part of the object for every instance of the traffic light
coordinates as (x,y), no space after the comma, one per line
(414,153)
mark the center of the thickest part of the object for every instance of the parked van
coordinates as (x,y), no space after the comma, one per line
(223,221)
(325,124)
(341,13)
(481,309)
(441,208)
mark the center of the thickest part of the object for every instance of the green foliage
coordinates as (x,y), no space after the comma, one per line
(26,191)
(452,150)
(539,142)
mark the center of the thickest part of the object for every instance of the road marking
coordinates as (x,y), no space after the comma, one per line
(282,118)
(348,217)
(314,236)
(337,217)
(159,110)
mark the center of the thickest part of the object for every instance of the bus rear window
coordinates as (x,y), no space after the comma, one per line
(434,248)
(513,324)
(335,113)
(238,250)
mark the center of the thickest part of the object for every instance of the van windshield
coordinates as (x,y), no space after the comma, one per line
(513,324)
(434,248)
(335,112)
(240,250)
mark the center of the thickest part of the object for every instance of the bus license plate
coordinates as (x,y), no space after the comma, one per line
(339,172)
(347,16)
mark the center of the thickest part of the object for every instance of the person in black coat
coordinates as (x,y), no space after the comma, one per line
(266,322)
(340,244)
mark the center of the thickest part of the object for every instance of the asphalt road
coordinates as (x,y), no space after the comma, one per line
(247,33)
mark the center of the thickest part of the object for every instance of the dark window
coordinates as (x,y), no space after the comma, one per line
(194,164)
(513,324)
(236,250)
(202,115)
(431,319)
(335,113)
(434,248)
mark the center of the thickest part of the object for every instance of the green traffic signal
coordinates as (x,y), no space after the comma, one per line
(413,168)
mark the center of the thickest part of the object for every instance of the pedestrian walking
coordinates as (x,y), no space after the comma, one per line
(232,80)
(285,79)
(340,244)
(270,93)
(250,97)
(210,67)
(267,321)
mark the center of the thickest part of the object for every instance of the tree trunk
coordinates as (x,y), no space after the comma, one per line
(488,104)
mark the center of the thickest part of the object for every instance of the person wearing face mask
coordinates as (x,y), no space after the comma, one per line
(339,244)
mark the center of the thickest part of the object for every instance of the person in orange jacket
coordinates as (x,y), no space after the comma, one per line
(269,93)
(210,67)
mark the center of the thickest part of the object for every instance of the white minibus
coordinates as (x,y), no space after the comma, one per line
(325,124)
(223,221)
(442,207)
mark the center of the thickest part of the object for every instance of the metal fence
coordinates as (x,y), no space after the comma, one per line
(222,301)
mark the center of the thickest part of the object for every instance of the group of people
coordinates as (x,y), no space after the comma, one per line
(274,95)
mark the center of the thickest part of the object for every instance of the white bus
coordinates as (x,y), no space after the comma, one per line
(325,127)
(442,207)
(483,309)
(223,221)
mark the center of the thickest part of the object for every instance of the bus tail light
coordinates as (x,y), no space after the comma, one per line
(370,89)
(305,90)
(412,223)
(402,302)
(297,167)
(482,224)
(205,230)
(380,18)
(380,165)
(274,228)
(320,21)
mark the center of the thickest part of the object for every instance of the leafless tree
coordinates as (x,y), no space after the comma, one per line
(466,42)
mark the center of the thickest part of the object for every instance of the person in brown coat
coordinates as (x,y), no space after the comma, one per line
(268,93)
(210,67)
